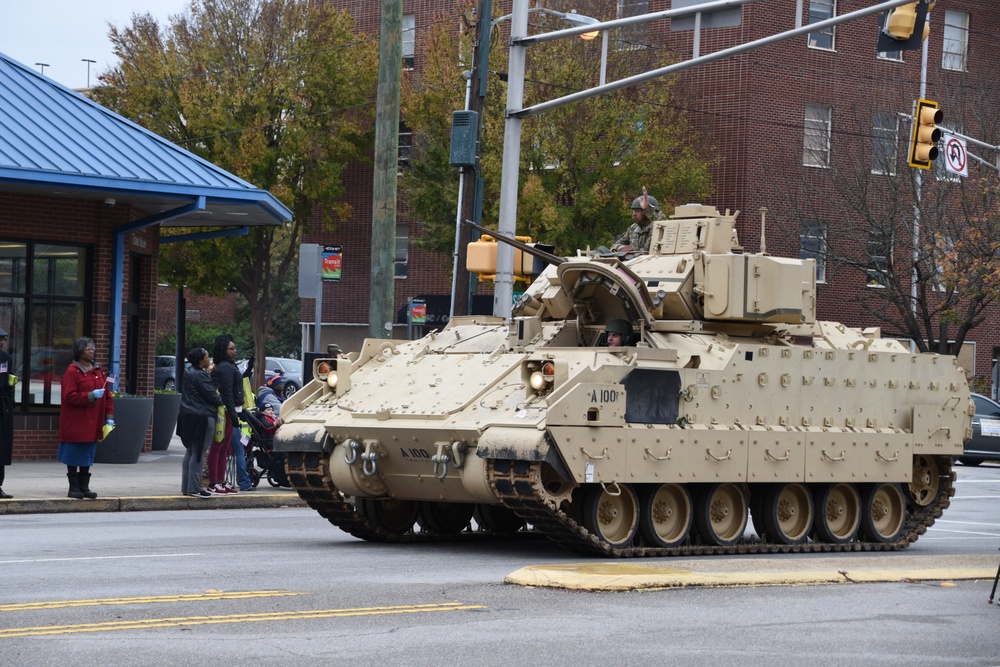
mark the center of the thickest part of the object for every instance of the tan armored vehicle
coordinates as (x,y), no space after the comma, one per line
(729,403)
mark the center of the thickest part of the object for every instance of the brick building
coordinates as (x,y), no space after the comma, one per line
(83,194)
(810,128)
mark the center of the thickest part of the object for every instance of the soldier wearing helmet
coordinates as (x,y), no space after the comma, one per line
(645,210)
(617,332)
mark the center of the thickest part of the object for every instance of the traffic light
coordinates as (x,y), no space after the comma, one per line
(905,27)
(925,134)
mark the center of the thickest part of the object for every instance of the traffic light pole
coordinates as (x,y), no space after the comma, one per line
(917,182)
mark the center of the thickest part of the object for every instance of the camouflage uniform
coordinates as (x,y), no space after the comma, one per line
(639,237)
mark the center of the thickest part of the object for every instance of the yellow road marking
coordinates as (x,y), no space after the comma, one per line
(195,597)
(232,618)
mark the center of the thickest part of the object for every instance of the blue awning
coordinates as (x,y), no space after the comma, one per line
(54,142)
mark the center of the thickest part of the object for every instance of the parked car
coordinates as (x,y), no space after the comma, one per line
(290,371)
(165,372)
(985,442)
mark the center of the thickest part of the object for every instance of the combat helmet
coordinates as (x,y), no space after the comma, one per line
(618,326)
(636,203)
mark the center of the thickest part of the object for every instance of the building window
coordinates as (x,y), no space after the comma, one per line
(816,136)
(402,249)
(44,308)
(405,149)
(956,40)
(632,36)
(821,10)
(879,258)
(812,245)
(409,41)
(884,143)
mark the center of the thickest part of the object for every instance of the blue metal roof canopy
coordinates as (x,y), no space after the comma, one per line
(57,143)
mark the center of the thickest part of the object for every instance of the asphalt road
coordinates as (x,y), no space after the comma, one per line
(284,587)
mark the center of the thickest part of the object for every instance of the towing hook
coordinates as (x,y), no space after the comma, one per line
(441,465)
(368,458)
(351,447)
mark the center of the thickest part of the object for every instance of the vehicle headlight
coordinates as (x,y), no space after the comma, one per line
(541,380)
(331,379)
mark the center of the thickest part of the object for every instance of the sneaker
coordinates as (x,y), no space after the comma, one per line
(218,489)
(230,488)
(201,494)
(5,496)
(249,488)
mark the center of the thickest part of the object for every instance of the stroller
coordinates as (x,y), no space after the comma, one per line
(262,461)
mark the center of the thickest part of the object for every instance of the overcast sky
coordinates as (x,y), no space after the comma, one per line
(64,32)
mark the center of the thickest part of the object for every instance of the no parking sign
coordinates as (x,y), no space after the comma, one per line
(956,160)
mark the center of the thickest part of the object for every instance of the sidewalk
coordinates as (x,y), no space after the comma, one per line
(154,483)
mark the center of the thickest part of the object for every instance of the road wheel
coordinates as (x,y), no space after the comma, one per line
(883,512)
(169,384)
(288,390)
(926,480)
(445,518)
(498,519)
(720,514)
(838,513)
(788,513)
(966,461)
(665,515)
(612,517)
(391,515)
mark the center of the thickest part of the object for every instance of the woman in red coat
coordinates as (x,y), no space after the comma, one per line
(86,408)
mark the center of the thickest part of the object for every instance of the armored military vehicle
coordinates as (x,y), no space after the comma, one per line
(730,403)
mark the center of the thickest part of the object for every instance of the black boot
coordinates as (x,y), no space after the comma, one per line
(74,485)
(85,485)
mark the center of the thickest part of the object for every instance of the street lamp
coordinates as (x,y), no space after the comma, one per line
(89,63)
(575,20)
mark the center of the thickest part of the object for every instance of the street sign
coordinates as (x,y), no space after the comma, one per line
(956,159)
(333,261)
(308,261)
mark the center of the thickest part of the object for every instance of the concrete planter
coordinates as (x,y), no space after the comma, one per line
(165,409)
(124,444)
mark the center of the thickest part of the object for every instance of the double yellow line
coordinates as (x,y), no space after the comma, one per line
(139,624)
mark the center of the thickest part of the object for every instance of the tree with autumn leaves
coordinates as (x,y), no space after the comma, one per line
(279,93)
(581,164)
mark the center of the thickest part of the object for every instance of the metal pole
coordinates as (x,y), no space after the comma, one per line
(458,214)
(917,183)
(318,326)
(503,293)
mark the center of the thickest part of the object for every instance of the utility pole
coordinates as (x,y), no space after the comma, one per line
(472,181)
(383,253)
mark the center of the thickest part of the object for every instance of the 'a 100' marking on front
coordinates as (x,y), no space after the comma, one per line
(604,396)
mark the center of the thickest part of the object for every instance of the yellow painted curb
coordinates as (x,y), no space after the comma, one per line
(622,577)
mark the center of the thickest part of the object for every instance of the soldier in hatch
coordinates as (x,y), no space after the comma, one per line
(645,210)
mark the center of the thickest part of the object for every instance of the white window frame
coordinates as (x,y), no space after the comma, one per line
(409,40)
(402,256)
(821,10)
(816,136)
(812,245)
(885,143)
(633,36)
(404,148)
(955,46)
(878,265)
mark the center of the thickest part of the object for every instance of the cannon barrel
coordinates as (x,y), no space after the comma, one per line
(524,247)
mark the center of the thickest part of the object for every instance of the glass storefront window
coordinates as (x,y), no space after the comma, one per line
(44,309)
